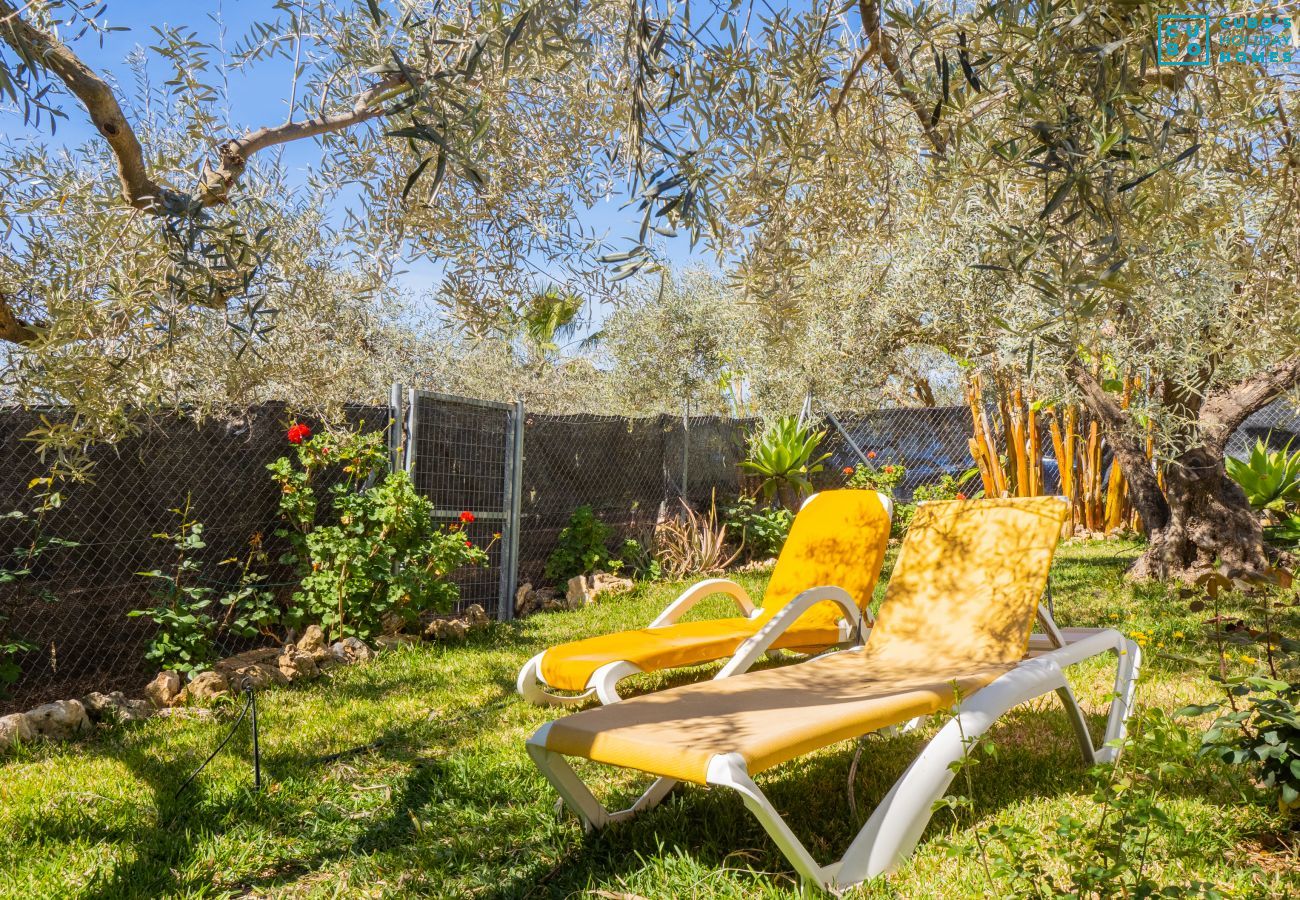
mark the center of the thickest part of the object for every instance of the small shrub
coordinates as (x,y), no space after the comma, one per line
(869,477)
(184,639)
(1264,734)
(692,544)
(946,488)
(638,561)
(1258,725)
(761,530)
(369,549)
(582,548)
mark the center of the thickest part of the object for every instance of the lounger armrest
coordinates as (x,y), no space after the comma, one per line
(748,653)
(695,593)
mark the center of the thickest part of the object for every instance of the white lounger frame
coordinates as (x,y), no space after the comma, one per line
(603,683)
(892,832)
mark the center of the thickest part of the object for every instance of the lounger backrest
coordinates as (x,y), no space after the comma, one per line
(968,581)
(838,538)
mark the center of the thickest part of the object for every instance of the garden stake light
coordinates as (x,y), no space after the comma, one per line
(249,710)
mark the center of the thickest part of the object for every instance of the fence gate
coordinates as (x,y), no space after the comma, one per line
(466,455)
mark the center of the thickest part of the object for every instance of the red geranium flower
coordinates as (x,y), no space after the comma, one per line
(469,544)
(298,433)
(889,470)
(961,496)
(871,454)
(467,517)
(848,470)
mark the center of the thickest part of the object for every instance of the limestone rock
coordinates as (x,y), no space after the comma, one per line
(115,707)
(313,641)
(350,650)
(256,669)
(583,590)
(14,729)
(392,623)
(577,593)
(476,617)
(205,687)
(446,630)
(529,600)
(296,664)
(60,720)
(393,641)
(605,583)
(164,689)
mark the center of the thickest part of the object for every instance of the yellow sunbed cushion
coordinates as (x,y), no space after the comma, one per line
(767,717)
(838,538)
(959,609)
(683,644)
(967,583)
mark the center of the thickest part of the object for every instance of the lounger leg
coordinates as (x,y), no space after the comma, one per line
(570,787)
(1126,675)
(897,823)
(579,798)
(729,770)
(529,684)
(1079,723)
(1128,658)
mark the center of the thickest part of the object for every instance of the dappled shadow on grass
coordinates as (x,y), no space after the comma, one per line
(460,810)
(1038,758)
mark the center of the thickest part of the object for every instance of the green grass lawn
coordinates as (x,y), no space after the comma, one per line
(445,802)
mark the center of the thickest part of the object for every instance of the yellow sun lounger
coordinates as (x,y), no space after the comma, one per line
(952,633)
(816,598)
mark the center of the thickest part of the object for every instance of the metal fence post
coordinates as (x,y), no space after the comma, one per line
(413,404)
(513,496)
(847,437)
(686,450)
(395,420)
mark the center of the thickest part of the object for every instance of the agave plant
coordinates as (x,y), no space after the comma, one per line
(1270,478)
(692,543)
(784,454)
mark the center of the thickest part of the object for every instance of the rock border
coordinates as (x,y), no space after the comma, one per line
(169,696)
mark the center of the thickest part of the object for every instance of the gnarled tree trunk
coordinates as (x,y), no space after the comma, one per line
(1210,525)
(1200,520)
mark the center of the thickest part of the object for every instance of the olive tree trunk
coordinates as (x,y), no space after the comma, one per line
(1200,520)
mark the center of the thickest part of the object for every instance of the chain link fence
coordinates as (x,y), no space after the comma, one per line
(928,442)
(1277,424)
(462,456)
(626,469)
(72,605)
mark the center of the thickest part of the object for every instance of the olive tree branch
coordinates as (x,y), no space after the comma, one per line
(41,50)
(882,46)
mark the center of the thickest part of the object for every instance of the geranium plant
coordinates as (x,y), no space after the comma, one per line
(366,544)
(869,476)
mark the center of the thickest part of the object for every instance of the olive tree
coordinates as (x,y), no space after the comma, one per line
(1139,218)
(173,259)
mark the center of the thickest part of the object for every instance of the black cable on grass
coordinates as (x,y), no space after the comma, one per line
(249,704)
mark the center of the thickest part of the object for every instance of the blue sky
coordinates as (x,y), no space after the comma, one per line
(257,97)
